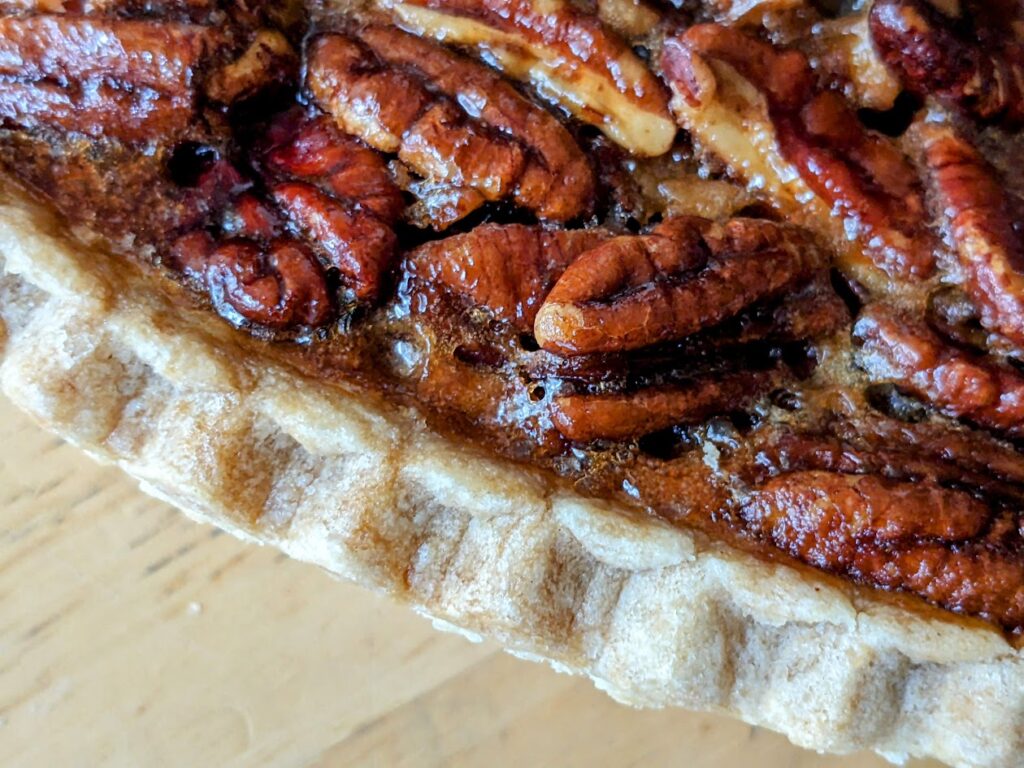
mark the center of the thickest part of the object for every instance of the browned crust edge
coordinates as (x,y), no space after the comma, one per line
(655,616)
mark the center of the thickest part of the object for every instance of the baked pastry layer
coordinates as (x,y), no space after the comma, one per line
(338,477)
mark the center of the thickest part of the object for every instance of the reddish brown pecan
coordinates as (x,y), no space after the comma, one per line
(809,313)
(325,188)
(133,80)
(339,164)
(790,452)
(916,537)
(974,62)
(860,184)
(626,415)
(451,120)
(568,55)
(961,384)
(687,275)
(974,579)
(982,227)
(819,516)
(278,286)
(507,269)
(975,451)
(357,245)
(344,202)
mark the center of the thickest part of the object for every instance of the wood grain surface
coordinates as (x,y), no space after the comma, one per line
(130,636)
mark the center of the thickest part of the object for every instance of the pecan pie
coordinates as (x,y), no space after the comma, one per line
(680,344)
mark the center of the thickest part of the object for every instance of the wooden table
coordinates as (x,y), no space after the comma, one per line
(132,636)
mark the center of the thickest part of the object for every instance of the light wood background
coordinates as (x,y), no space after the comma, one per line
(130,636)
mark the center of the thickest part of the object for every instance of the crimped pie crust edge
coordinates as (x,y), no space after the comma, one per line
(655,616)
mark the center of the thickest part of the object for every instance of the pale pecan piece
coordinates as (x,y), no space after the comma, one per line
(915,537)
(974,61)
(746,12)
(568,56)
(625,415)
(451,120)
(268,60)
(133,80)
(687,275)
(757,108)
(982,227)
(959,383)
(632,19)
(506,269)
(842,51)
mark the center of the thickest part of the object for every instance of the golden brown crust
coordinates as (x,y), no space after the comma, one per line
(656,616)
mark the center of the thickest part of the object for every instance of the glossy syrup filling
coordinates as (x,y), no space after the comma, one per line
(589,273)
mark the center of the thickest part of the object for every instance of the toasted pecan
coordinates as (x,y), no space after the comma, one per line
(687,275)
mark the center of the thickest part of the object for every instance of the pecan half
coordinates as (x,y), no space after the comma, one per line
(338,194)
(687,275)
(507,269)
(358,246)
(757,108)
(330,204)
(132,80)
(976,451)
(313,150)
(451,120)
(625,415)
(959,383)
(982,227)
(792,452)
(819,514)
(974,62)
(568,56)
(278,286)
(874,529)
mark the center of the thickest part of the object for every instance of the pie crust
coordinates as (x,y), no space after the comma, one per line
(338,477)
